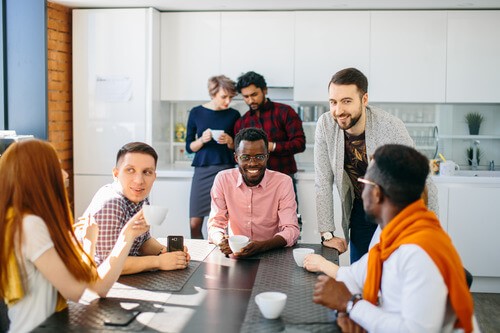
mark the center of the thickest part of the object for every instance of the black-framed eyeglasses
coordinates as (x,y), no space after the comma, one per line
(257,158)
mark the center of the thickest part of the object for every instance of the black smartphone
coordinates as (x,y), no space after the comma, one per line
(121,318)
(175,243)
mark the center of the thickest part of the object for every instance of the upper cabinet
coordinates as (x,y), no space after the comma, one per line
(473,57)
(323,46)
(260,42)
(190,54)
(408,56)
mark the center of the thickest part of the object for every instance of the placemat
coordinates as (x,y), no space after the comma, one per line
(294,312)
(273,326)
(160,280)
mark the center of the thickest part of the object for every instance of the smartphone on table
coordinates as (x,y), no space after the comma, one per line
(175,243)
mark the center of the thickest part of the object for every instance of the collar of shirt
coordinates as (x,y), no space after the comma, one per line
(263,183)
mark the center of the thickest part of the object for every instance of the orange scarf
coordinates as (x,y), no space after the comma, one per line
(15,289)
(417,225)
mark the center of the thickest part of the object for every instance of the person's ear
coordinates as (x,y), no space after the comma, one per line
(364,99)
(235,158)
(115,173)
(378,194)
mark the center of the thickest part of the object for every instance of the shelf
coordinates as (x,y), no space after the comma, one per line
(179,144)
(420,124)
(465,136)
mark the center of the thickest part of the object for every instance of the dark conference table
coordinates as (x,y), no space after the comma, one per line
(214,294)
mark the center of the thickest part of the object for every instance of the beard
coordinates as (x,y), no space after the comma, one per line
(354,120)
(370,218)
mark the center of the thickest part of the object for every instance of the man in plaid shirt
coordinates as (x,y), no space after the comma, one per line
(114,204)
(281,123)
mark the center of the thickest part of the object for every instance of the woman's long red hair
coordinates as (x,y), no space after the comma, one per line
(31,182)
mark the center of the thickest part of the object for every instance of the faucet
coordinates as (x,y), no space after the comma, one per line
(474,155)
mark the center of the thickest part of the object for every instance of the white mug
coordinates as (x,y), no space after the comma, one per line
(448,168)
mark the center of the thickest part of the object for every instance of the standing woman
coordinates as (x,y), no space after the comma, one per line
(211,156)
(41,262)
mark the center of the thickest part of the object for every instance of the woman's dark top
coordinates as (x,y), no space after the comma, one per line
(212,153)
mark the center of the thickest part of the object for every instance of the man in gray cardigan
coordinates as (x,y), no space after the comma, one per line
(345,138)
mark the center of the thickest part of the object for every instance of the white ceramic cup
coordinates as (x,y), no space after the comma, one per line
(154,215)
(216,134)
(271,303)
(236,243)
(448,168)
(300,253)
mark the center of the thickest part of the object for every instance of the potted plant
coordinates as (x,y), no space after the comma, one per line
(474,120)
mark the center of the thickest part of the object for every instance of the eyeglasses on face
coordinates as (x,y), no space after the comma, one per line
(366,181)
(257,158)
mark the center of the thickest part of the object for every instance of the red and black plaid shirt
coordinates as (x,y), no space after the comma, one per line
(283,126)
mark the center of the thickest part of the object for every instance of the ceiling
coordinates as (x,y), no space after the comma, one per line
(222,5)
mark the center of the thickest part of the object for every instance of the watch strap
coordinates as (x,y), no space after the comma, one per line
(352,301)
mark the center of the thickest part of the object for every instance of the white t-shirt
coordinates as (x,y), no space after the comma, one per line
(40,300)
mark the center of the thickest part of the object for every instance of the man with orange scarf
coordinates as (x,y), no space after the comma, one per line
(413,280)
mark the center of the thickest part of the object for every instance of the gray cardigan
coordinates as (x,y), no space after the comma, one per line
(381,128)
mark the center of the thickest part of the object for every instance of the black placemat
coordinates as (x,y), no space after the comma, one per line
(273,326)
(160,280)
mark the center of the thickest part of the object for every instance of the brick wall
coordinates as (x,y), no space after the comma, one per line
(60,118)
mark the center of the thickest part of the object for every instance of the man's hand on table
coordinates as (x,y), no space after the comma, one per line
(337,243)
(331,293)
(174,260)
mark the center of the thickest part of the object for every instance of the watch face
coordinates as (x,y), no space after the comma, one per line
(327,236)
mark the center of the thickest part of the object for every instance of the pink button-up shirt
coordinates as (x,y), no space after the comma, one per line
(259,212)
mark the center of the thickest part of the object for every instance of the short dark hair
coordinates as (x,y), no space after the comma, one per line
(401,171)
(348,76)
(249,78)
(250,134)
(136,147)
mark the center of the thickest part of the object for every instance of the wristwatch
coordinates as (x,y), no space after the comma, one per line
(326,236)
(352,301)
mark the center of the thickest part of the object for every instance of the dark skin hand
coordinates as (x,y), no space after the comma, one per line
(347,325)
(253,247)
(331,293)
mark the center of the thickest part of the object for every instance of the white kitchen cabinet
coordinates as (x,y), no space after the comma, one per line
(473,66)
(262,42)
(323,46)
(408,56)
(474,228)
(173,193)
(190,54)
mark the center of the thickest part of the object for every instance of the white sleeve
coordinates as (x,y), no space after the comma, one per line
(36,237)
(417,301)
(354,275)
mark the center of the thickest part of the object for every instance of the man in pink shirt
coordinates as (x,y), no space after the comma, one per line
(252,200)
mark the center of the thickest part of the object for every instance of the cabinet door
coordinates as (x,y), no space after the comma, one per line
(474,228)
(258,41)
(172,193)
(324,46)
(473,66)
(190,54)
(408,56)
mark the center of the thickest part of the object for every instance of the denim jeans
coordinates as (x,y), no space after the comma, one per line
(361,231)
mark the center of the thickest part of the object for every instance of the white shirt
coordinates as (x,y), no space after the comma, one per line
(40,300)
(413,296)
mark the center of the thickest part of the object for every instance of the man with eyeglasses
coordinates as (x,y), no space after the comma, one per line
(344,139)
(252,200)
(413,279)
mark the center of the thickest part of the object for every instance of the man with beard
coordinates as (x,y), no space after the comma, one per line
(344,138)
(252,200)
(279,121)
(412,280)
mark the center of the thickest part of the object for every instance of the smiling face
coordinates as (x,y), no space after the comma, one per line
(347,107)
(251,157)
(254,97)
(136,173)
(221,100)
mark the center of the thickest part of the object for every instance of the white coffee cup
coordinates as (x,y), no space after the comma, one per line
(154,215)
(300,253)
(237,242)
(271,303)
(448,168)
(216,134)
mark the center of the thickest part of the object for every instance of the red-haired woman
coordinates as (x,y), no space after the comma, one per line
(40,259)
